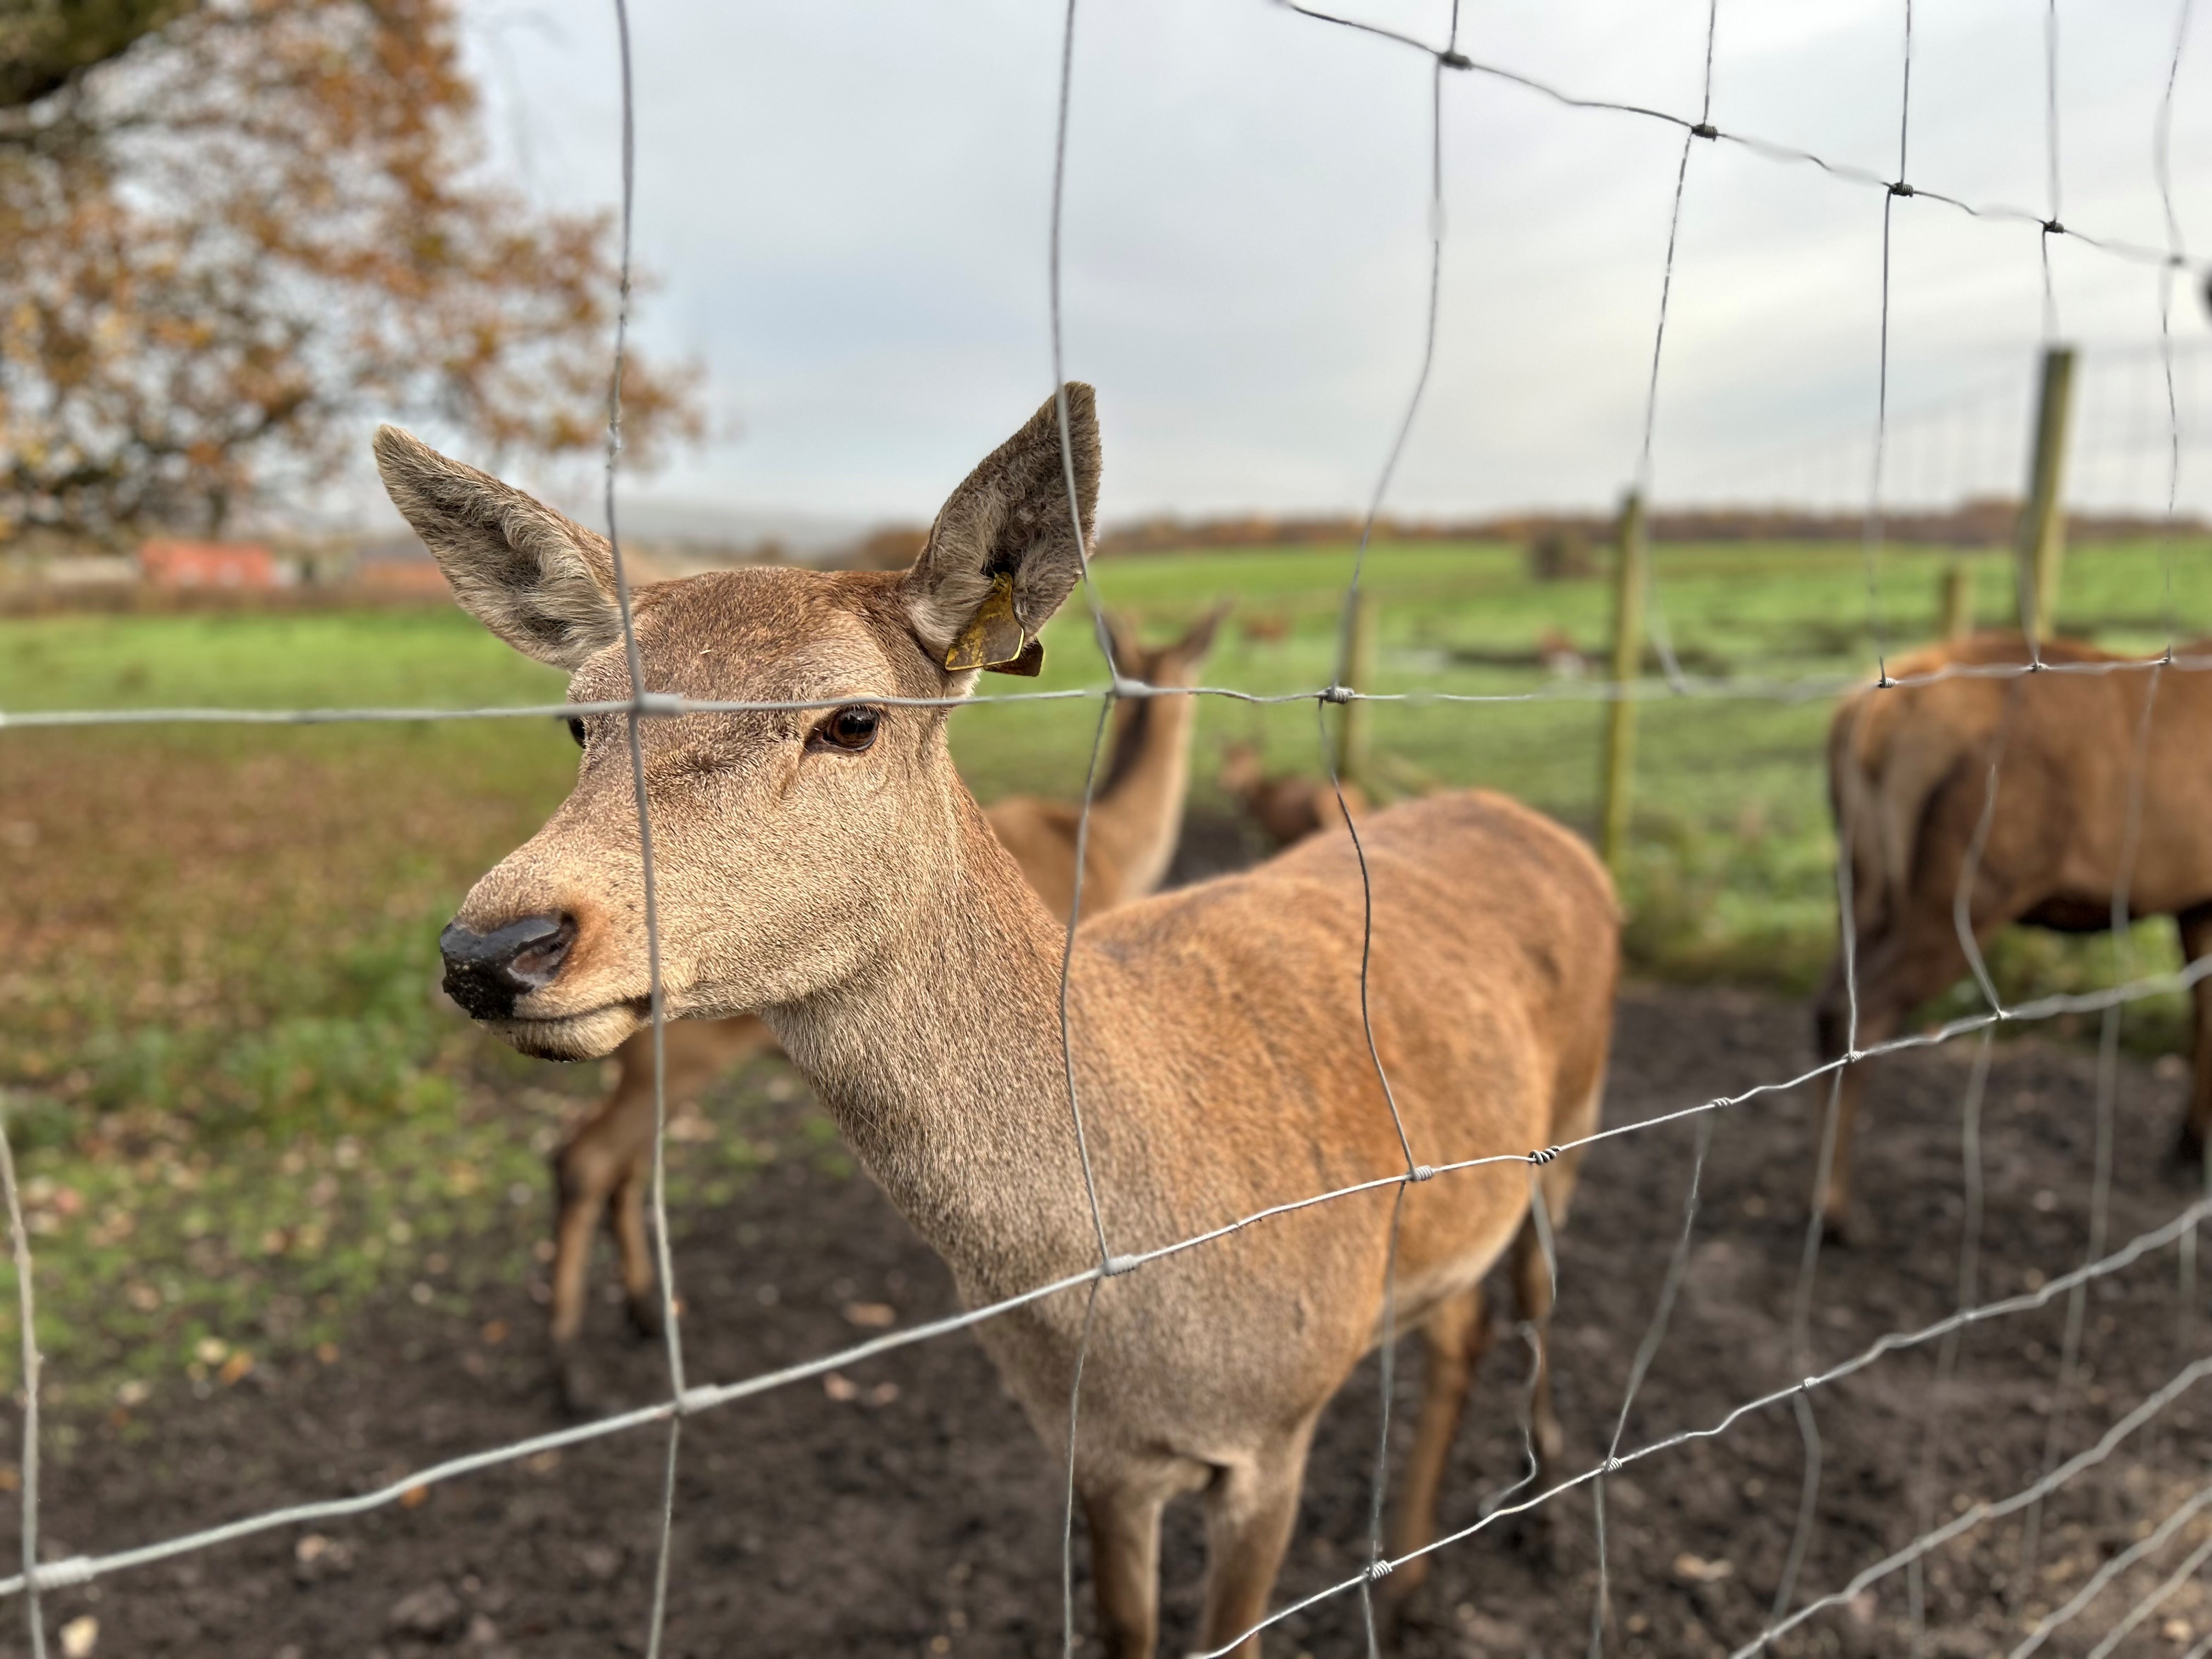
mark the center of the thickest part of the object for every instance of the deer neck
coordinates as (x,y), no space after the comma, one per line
(1138,817)
(940,1059)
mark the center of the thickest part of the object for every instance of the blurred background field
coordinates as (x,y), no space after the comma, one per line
(240,1100)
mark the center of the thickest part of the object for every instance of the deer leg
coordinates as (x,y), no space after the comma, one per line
(2195,928)
(1250,1508)
(1901,971)
(1125,1567)
(587,1170)
(1833,1037)
(626,1218)
(1532,1285)
(1456,1334)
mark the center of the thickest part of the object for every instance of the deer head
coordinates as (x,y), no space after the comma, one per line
(791,846)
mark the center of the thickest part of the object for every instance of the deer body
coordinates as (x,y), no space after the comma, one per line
(602,1168)
(825,865)
(1909,774)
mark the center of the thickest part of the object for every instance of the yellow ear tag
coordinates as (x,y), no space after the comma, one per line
(992,639)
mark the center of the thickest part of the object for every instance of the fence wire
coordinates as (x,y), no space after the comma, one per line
(685,1397)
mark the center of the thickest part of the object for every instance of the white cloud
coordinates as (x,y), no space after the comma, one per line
(845,206)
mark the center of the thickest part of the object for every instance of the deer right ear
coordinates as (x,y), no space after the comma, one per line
(1005,549)
(541,582)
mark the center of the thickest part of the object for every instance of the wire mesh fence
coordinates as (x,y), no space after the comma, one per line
(1679,684)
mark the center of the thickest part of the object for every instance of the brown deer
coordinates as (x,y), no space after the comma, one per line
(1909,770)
(1286,807)
(602,1168)
(825,866)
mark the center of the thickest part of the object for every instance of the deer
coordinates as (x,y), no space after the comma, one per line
(1910,785)
(602,1170)
(1286,807)
(820,862)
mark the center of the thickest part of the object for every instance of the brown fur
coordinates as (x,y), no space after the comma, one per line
(602,1169)
(861,903)
(1287,808)
(1909,771)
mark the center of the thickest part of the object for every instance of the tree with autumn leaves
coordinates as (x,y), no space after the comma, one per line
(230,228)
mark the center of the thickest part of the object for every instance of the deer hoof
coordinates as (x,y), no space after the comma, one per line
(1838,1228)
(644,1321)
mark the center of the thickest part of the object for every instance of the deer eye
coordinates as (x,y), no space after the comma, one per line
(850,730)
(576,730)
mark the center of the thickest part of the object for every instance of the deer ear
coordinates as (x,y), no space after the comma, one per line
(1004,552)
(1200,640)
(544,585)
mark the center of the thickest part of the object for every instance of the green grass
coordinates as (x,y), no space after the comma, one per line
(239,1107)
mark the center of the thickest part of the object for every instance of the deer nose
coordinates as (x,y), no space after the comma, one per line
(485,972)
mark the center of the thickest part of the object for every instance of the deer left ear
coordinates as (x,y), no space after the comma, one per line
(1005,549)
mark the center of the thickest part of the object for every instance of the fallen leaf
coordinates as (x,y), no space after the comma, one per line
(1697,1570)
(871,1316)
(839,1388)
(79,1637)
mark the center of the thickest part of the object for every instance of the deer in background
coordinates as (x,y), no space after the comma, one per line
(826,868)
(1288,807)
(1908,773)
(602,1169)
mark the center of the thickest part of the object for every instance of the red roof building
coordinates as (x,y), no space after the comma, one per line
(207,564)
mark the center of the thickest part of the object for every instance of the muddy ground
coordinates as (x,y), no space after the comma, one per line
(916,1515)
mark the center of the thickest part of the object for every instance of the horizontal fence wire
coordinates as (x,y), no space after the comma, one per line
(686,1399)
(2046,225)
(78,1570)
(658,705)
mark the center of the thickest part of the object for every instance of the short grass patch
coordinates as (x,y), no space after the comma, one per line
(240,1104)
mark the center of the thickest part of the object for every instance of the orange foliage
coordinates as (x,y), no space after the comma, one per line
(220,250)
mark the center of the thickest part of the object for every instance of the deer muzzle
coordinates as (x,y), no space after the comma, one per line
(486,972)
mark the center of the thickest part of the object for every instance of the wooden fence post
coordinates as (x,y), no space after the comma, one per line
(2041,543)
(1958,607)
(1615,784)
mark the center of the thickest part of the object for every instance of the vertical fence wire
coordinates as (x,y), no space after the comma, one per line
(1662,639)
(2161,152)
(1678,1266)
(1102,633)
(1930,1464)
(672,1327)
(1377,1559)
(1870,541)
(2053,223)
(2100,1178)
(19,1242)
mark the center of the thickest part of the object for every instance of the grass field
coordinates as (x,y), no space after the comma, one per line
(239,1104)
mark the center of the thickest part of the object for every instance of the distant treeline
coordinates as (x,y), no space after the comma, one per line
(1988,523)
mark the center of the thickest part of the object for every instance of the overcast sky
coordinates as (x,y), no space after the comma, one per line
(845,207)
